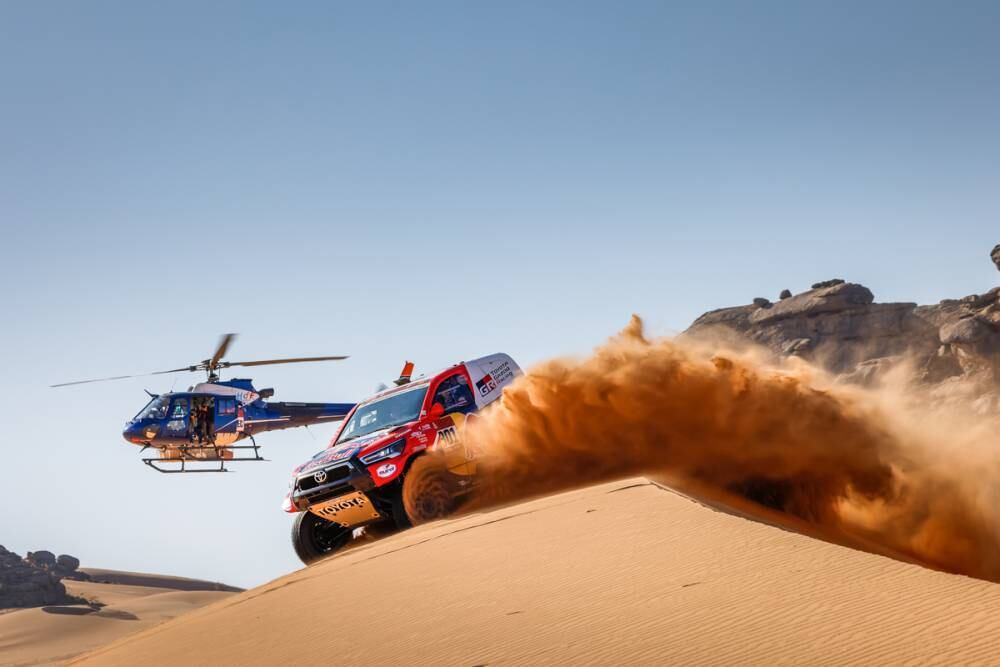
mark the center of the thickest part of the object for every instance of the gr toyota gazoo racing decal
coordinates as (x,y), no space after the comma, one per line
(490,375)
(486,384)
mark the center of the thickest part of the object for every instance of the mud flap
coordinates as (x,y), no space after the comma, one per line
(460,460)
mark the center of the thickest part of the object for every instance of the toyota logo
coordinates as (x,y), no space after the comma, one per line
(320,476)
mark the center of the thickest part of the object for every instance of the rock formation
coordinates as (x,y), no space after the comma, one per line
(839,326)
(995,256)
(36,580)
(65,566)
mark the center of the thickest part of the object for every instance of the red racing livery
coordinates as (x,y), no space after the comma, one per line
(397,459)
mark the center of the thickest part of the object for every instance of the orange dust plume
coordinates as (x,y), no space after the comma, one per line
(844,459)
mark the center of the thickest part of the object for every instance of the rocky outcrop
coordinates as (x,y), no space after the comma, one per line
(70,564)
(838,325)
(64,566)
(995,256)
(36,580)
(832,299)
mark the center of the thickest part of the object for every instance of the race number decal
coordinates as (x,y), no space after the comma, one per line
(448,437)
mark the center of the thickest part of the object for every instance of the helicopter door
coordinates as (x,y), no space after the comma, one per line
(177,419)
(225,420)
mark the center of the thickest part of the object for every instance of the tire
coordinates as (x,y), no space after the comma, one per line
(314,538)
(399,518)
(428,491)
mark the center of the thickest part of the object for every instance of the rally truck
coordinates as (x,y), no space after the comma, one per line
(397,459)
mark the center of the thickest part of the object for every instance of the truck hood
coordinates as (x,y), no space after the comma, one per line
(344,451)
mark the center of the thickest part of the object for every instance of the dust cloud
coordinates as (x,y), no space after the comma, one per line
(888,464)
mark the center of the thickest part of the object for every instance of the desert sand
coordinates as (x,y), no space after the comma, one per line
(54,634)
(622,573)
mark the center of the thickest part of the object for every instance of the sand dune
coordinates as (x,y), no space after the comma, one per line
(622,573)
(50,635)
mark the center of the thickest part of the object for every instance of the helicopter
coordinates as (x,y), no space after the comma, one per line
(198,430)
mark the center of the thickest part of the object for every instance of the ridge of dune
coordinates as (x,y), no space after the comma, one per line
(626,572)
(148,580)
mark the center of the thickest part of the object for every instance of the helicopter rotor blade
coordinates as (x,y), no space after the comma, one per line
(268,362)
(122,377)
(220,351)
(210,365)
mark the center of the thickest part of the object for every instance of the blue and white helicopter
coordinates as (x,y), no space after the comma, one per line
(198,430)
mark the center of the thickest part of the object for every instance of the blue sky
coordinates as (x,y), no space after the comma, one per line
(436,181)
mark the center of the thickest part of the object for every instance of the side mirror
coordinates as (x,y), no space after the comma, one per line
(437,411)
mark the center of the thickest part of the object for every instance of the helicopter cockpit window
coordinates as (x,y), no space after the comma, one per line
(180,409)
(155,409)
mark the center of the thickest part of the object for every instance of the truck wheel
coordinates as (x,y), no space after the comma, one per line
(314,537)
(428,491)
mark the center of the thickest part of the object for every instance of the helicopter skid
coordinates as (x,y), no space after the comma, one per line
(204,458)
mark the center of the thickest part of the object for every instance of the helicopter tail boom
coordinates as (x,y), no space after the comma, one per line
(281,415)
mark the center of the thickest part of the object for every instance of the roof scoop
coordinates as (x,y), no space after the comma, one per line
(405,375)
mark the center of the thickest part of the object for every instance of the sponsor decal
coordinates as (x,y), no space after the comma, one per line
(486,384)
(498,376)
(247,397)
(387,470)
(329,456)
(339,453)
(176,425)
(343,453)
(340,506)
(351,510)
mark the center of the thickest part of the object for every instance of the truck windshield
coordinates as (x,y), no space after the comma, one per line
(389,411)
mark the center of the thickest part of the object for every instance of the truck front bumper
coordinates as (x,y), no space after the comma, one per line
(328,482)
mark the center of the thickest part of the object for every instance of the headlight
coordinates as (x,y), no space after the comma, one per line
(387,452)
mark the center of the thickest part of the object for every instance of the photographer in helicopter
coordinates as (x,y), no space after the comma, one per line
(206,421)
(194,424)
